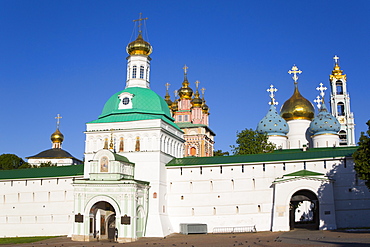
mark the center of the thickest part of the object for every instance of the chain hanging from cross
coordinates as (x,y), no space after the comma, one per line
(272,92)
(139,20)
(58,117)
(295,71)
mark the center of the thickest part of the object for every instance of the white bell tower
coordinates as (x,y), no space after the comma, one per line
(340,105)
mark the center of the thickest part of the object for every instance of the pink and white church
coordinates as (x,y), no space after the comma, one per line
(149,169)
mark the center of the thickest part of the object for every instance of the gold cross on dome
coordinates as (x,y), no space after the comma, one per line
(58,117)
(185,69)
(272,92)
(321,89)
(295,71)
(175,92)
(197,84)
(318,101)
(336,59)
(203,89)
(167,86)
(139,20)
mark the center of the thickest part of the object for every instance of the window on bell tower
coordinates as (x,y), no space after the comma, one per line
(340,109)
(339,86)
(134,69)
(141,72)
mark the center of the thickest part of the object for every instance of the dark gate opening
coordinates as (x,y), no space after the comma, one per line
(304,210)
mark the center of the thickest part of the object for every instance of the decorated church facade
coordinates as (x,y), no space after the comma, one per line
(149,169)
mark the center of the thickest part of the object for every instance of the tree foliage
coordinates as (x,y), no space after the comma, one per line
(250,141)
(362,157)
(220,153)
(12,161)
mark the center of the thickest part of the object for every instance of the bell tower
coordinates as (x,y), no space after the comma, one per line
(340,105)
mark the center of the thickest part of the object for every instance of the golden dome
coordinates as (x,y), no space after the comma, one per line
(185,92)
(196,101)
(174,106)
(57,137)
(168,100)
(139,47)
(297,107)
(337,73)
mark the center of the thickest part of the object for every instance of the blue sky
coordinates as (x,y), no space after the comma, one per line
(69,57)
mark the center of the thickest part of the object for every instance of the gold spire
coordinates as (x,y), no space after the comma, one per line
(337,73)
(139,46)
(185,92)
(205,107)
(197,101)
(57,137)
(297,107)
(167,97)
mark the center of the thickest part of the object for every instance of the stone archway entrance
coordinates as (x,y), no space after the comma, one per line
(304,210)
(102,218)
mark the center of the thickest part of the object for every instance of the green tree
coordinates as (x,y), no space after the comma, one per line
(220,153)
(46,164)
(251,142)
(12,161)
(362,157)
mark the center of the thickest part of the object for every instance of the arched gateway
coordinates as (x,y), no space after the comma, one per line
(109,203)
(304,210)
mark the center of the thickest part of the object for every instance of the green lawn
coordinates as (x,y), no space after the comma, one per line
(22,240)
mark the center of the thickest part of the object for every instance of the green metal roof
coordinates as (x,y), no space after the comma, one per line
(146,104)
(303,173)
(121,158)
(43,172)
(277,155)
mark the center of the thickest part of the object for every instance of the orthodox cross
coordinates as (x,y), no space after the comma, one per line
(185,69)
(58,121)
(321,89)
(197,84)
(203,89)
(175,92)
(272,92)
(139,20)
(167,86)
(295,71)
(318,101)
(336,59)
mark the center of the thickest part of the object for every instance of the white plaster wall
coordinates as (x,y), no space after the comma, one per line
(297,133)
(325,140)
(36,207)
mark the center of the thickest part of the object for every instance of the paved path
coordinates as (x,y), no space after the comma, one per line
(290,239)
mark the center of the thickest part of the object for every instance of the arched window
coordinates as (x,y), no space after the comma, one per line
(141,72)
(193,151)
(121,145)
(340,109)
(137,145)
(339,86)
(134,70)
(342,137)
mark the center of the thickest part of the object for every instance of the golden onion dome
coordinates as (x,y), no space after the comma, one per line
(174,106)
(168,100)
(297,107)
(205,107)
(139,47)
(57,137)
(196,101)
(185,92)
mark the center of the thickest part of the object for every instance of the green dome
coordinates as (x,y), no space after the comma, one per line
(146,104)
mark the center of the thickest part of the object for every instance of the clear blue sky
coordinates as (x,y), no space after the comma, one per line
(69,57)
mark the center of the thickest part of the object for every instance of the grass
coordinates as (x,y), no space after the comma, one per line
(23,240)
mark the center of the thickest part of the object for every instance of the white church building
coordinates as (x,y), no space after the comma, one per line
(149,169)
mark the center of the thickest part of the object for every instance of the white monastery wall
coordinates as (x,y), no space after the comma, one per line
(36,207)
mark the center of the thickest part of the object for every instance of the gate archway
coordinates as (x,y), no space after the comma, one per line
(102,218)
(304,210)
